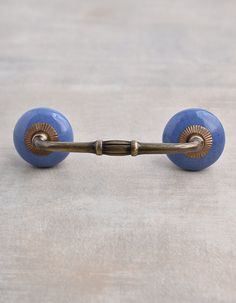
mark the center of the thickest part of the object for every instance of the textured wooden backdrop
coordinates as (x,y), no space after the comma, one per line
(100,229)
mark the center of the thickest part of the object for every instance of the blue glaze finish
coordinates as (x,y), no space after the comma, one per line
(195,116)
(43,115)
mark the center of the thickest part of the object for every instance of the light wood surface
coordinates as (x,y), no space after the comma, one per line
(102,229)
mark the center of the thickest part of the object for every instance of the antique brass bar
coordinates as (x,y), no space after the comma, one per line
(118,147)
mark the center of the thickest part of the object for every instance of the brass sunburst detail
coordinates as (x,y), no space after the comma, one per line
(197,130)
(39,128)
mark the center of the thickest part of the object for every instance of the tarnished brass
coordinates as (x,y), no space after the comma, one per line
(44,132)
(118,147)
(190,133)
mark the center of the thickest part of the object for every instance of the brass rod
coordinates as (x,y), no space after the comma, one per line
(72,147)
(118,147)
(168,148)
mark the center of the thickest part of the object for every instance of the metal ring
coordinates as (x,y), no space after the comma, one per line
(40,130)
(197,130)
(98,147)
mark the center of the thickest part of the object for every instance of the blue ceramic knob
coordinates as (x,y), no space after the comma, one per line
(41,120)
(195,122)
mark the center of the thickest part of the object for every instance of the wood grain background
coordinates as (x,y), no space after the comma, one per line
(101,229)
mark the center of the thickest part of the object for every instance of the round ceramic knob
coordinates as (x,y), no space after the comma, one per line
(52,124)
(195,122)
